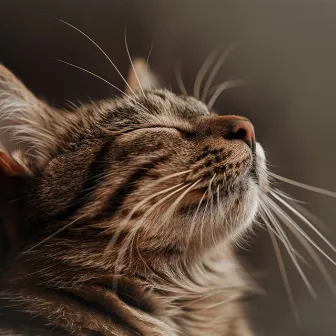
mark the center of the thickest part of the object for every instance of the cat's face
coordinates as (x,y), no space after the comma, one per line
(156,172)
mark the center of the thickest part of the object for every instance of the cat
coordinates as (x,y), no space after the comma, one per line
(120,217)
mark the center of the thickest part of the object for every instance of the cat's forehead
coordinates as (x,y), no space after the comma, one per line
(159,104)
(184,106)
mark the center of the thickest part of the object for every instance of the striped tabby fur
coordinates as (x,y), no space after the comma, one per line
(128,213)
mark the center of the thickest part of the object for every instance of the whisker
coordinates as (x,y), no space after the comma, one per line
(54,234)
(147,187)
(215,70)
(150,210)
(104,80)
(289,220)
(165,178)
(172,208)
(316,259)
(210,195)
(304,186)
(129,240)
(222,87)
(147,60)
(130,59)
(156,182)
(179,79)
(284,276)
(193,223)
(295,262)
(93,74)
(281,264)
(296,204)
(136,208)
(304,220)
(279,230)
(281,234)
(219,202)
(287,196)
(139,254)
(100,49)
(203,221)
(212,213)
(201,73)
(210,184)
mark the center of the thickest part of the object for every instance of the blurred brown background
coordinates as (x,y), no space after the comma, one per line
(287,51)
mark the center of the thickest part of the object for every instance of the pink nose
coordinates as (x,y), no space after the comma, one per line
(244,130)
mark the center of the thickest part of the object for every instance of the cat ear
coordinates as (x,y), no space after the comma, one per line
(27,123)
(140,77)
(11,226)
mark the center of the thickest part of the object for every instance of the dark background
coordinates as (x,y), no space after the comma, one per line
(287,51)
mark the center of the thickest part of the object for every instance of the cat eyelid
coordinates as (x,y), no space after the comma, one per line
(180,130)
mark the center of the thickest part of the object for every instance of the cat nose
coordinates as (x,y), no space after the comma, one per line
(229,127)
(244,130)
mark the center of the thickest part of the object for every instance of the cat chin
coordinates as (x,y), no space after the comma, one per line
(252,204)
(253,197)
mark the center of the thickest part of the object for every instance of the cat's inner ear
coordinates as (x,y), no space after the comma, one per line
(140,77)
(9,167)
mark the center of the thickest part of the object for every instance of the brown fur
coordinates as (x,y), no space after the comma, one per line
(105,250)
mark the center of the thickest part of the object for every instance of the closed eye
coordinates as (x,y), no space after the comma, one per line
(134,129)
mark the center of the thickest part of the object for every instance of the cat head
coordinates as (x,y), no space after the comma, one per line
(151,172)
